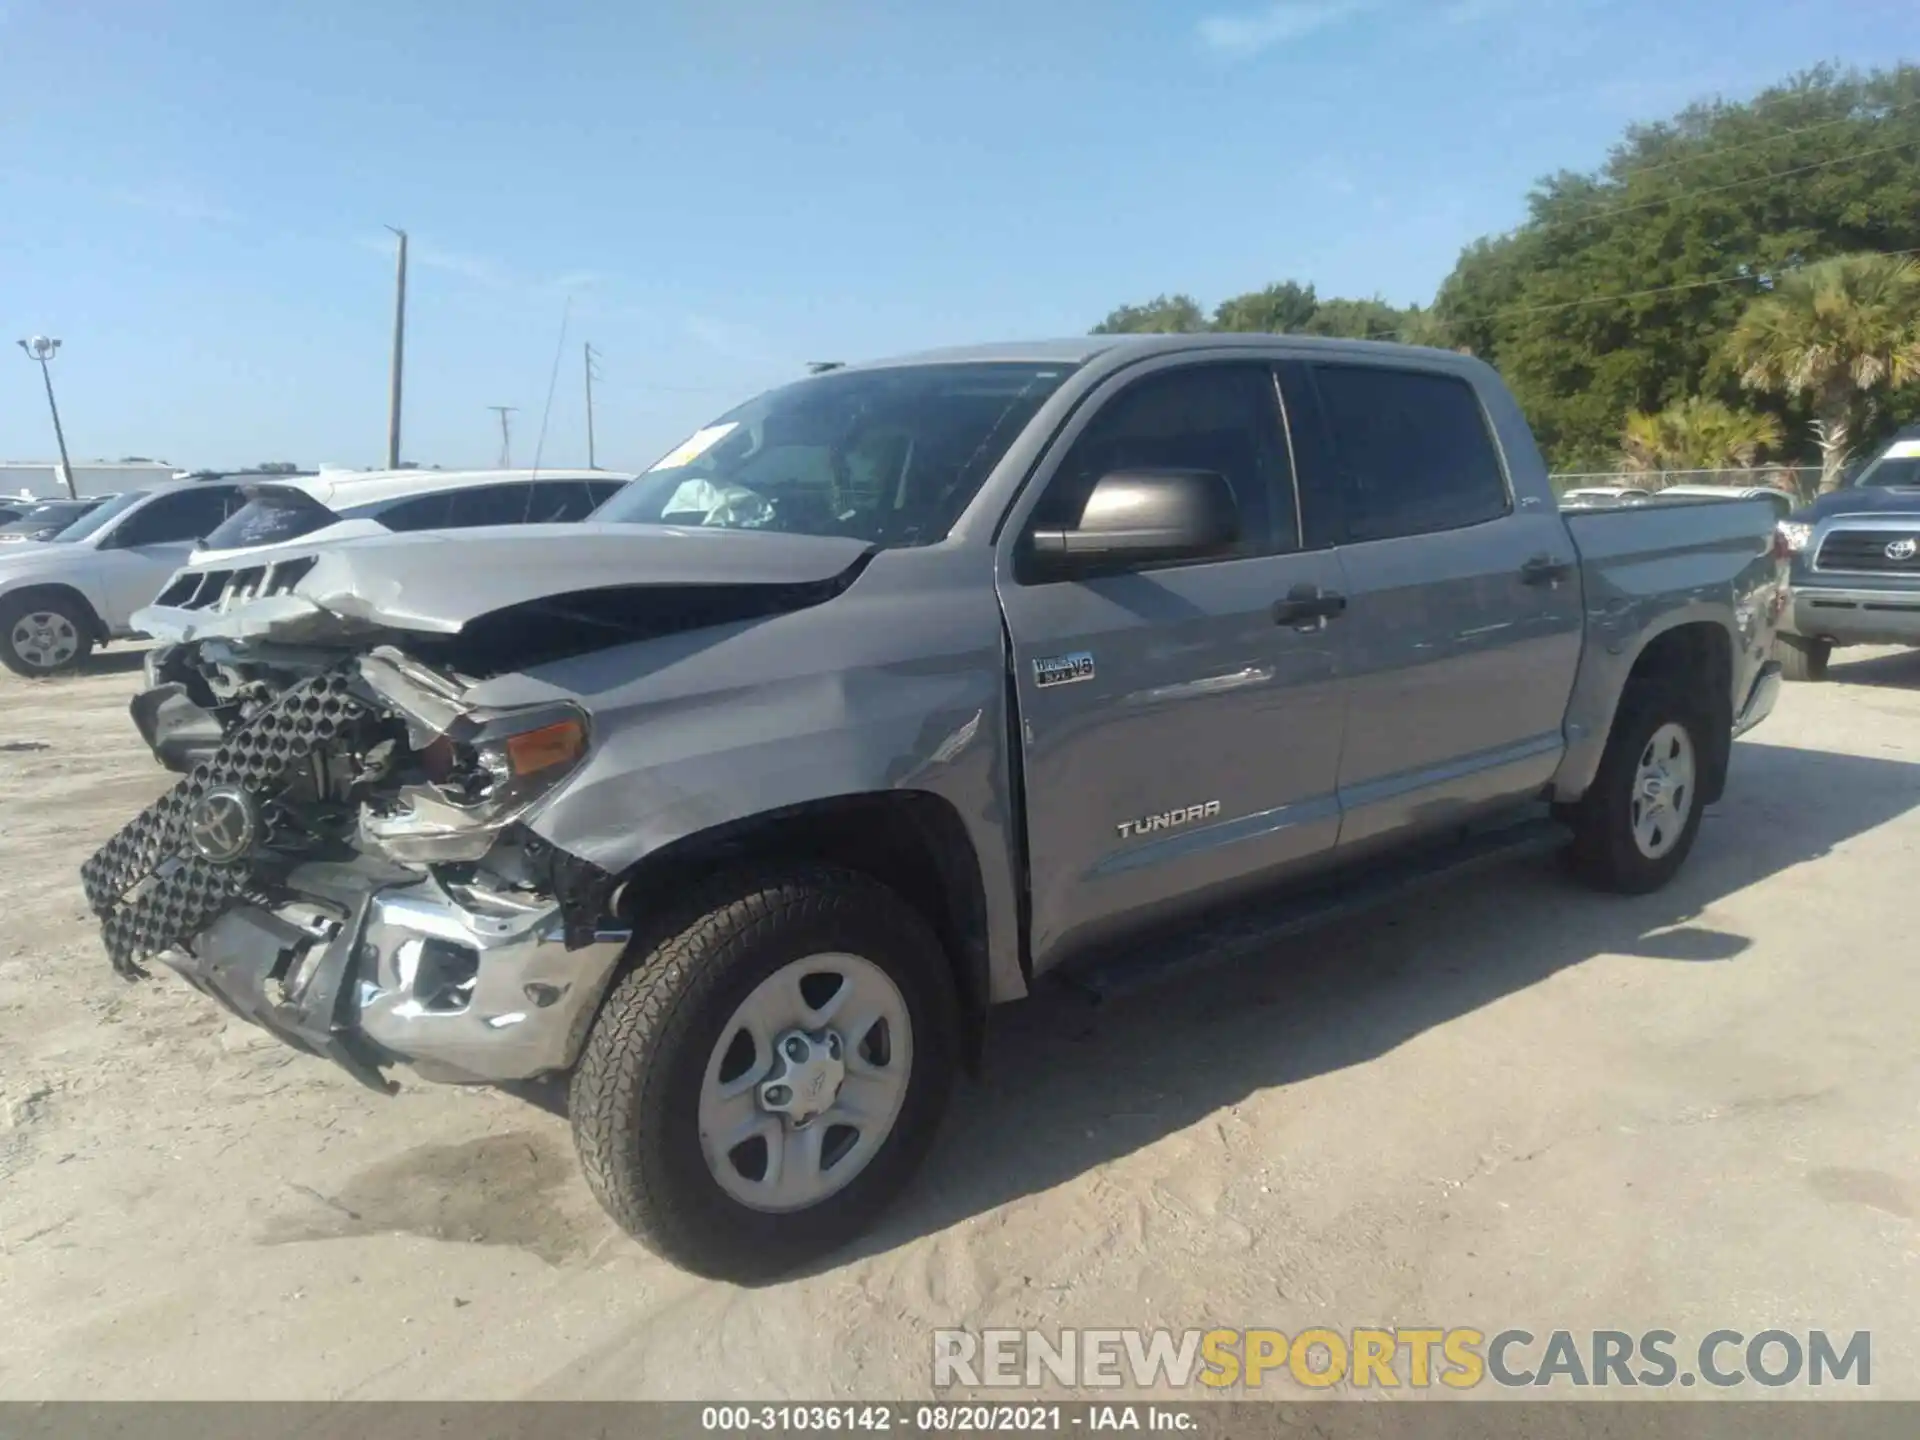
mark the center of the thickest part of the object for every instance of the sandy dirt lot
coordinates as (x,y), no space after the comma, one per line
(1520,1104)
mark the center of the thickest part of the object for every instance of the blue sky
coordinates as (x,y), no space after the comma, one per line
(192,194)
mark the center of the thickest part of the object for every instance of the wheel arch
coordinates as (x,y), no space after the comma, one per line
(912,841)
(58,589)
(1691,651)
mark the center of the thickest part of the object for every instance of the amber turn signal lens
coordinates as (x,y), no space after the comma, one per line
(550,745)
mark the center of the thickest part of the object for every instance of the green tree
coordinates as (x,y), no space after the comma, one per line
(1162,315)
(1278,310)
(1696,434)
(1619,290)
(1371,319)
(1833,334)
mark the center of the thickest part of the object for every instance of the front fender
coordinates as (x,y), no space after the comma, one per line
(899,684)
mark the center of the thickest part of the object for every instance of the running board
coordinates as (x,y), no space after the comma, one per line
(1252,926)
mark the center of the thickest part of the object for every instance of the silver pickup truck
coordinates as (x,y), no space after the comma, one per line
(891,692)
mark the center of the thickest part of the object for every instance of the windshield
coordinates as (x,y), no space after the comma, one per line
(272,514)
(888,456)
(1899,465)
(95,521)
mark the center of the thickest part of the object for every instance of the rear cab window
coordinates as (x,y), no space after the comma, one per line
(270,515)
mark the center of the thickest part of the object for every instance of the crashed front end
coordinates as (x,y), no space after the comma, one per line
(351,859)
(345,866)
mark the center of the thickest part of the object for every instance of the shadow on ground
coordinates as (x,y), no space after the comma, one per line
(1900,670)
(103,662)
(1069,1085)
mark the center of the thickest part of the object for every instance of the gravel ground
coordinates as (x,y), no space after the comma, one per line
(1519,1104)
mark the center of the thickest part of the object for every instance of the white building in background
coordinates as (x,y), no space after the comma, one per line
(41,480)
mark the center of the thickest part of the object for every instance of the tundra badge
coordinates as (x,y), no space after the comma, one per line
(1167,820)
(1063,669)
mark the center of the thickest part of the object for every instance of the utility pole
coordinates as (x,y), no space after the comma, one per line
(399,352)
(590,378)
(43,349)
(506,435)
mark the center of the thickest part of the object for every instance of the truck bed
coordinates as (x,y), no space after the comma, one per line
(1648,569)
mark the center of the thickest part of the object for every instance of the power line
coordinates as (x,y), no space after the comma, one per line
(1787,134)
(1745,276)
(553,381)
(1731,185)
(506,435)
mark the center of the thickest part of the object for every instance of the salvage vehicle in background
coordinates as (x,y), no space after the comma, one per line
(894,691)
(78,588)
(1856,562)
(1603,497)
(43,519)
(338,504)
(1780,500)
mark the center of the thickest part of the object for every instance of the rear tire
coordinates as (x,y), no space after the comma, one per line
(1802,659)
(1636,824)
(644,1095)
(44,636)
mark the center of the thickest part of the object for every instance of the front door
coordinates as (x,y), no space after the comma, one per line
(1178,740)
(156,539)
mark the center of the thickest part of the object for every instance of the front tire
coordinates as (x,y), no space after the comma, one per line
(1636,824)
(41,637)
(769,1074)
(1802,659)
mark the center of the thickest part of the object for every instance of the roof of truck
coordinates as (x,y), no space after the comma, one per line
(1078,349)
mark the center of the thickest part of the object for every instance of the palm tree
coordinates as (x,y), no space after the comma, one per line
(1696,434)
(1833,332)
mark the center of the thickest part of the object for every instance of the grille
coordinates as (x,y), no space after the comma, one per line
(223,589)
(1867,550)
(150,888)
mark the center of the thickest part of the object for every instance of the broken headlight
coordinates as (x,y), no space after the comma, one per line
(473,779)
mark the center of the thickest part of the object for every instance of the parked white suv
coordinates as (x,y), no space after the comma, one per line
(62,596)
(80,589)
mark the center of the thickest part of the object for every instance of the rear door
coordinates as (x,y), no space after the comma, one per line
(1464,620)
(1176,741)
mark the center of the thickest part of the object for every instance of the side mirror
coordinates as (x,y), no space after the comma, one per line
(1143,517)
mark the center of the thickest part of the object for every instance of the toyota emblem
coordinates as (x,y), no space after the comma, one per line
(221,825)
(1903,549)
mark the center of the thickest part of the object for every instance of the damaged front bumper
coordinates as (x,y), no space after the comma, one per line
(370,969)
(263,897)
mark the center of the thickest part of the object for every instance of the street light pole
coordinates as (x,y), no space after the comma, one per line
(399,353)
(43,349)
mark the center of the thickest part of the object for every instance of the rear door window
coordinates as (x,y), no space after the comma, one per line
(1412,450)
(490,505)
(270,516)
(422,512)
(559,502)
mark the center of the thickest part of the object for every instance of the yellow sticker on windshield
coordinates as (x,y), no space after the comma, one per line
(1903,449)
(694,446)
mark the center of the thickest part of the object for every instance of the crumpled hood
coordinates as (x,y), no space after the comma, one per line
(437,582)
